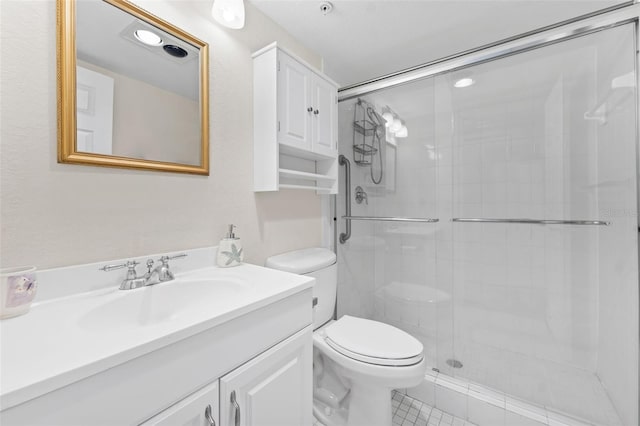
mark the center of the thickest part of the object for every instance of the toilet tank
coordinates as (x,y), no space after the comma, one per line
(319,263)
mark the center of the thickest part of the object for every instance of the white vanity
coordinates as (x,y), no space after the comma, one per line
(214,346)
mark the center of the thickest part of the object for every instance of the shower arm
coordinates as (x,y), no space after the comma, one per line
(344,161)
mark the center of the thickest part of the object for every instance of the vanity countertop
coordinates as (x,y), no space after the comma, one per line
(66,339)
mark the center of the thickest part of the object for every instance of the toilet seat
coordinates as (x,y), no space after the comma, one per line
(373,342)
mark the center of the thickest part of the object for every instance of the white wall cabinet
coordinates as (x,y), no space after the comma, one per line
(294,104)
(295,124)
(325,122)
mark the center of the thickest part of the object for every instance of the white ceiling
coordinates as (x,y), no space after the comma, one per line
(360,40)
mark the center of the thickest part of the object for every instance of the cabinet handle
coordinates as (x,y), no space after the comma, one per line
(316,112)
(309,109)
(236,409)
(208,416)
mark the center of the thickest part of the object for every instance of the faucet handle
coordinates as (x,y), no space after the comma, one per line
(361,195)
(165,259)
(164,274)
(131,272)
(131,264)
(132,276)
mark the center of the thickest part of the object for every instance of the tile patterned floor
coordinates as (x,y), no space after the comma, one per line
(408,411)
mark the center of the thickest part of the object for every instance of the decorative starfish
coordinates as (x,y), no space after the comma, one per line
(234,255)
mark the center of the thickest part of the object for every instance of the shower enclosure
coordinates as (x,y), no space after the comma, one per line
(526,286)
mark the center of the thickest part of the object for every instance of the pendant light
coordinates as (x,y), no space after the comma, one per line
(229,13)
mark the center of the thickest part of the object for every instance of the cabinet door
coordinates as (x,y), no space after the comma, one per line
(273,389)
(325,115)
(198,409)
(294,102)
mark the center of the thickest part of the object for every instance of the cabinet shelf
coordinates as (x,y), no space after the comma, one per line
(296,174)
(303,153)
(320,189)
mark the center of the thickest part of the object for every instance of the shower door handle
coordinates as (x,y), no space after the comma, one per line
(344,161)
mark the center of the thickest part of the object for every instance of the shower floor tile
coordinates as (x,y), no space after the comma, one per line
(408,411)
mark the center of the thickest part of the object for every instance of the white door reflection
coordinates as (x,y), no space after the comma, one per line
(94,103)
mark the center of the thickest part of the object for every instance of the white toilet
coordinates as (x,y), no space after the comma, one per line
(356,362)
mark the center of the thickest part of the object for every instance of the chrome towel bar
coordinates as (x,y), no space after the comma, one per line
(532,221)
(393,219)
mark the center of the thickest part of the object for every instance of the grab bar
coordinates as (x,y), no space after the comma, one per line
(532,221)
(392,219)
(344,161)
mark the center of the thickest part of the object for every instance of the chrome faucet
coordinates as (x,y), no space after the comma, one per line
(161,273)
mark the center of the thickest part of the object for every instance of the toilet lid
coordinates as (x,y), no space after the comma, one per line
(373,342)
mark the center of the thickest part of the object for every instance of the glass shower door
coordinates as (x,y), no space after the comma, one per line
(547,312)
(388,270)
(521,289)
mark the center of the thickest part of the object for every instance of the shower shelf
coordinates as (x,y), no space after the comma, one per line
(365,127)
(366,133)
(366,150)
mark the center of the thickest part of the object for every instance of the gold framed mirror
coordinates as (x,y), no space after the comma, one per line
(133,89)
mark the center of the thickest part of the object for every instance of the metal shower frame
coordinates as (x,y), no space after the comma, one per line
(606,18)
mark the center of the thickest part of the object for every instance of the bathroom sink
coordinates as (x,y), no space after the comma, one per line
(162,302)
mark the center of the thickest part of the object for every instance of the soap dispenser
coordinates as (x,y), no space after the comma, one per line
(230,250)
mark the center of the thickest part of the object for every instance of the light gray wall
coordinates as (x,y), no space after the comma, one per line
(56,214)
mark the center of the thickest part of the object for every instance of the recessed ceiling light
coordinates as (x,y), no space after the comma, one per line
(148,37)
(464,82)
